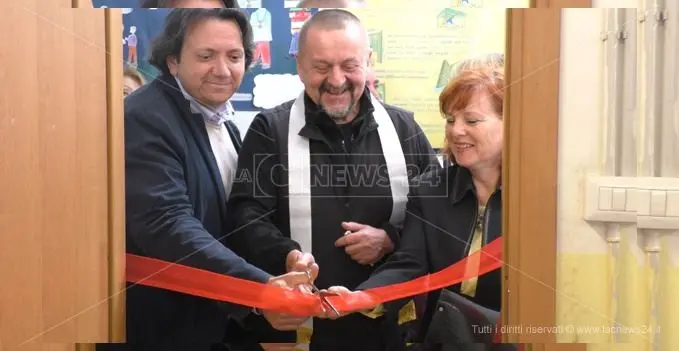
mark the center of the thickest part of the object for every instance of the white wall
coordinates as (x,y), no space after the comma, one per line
(580,106)
(615,265)
(581,288)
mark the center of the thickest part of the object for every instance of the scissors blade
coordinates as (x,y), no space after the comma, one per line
(322,295)
(328,304)
(324,298)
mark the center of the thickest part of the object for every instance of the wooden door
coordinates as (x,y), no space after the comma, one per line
(61,166)
(530,172)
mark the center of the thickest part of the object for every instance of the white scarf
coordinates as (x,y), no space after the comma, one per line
(299,176)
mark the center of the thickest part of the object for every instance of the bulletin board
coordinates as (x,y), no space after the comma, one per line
(413,59)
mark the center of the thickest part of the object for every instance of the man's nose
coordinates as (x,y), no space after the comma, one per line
(336,77)
(221,68)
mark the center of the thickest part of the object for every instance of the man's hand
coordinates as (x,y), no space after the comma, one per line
(365,244)
(298,261)
(341,291)
(328,313)
(288,281)
(277,347)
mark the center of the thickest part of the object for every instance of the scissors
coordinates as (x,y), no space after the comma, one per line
(323,295)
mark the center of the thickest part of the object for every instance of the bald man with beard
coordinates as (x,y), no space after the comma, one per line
(297,198)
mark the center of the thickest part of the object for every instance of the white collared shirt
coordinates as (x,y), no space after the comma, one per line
(220,140)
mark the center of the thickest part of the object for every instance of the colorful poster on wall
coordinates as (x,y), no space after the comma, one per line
(275,32)
(414,61)
(451,3)
(273,78)
(413,58)
(140,27)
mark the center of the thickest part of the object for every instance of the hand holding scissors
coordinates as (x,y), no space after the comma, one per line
(325,303)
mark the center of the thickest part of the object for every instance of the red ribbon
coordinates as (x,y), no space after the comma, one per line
(172,276)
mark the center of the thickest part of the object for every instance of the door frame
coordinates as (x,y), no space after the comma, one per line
(113,18)
(529,173)
(116,163)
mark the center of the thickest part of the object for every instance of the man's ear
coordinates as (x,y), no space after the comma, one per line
(172,64)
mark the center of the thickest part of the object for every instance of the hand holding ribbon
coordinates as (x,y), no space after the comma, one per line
(282,321)
(334,291)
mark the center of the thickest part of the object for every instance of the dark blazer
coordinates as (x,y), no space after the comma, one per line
(441,214)
(176,211)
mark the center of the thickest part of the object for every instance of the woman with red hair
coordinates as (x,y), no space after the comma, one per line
(453,211)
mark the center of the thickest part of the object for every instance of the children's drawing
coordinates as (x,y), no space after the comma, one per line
(132,42)
(445,73)
(451,18)
(261,32)
(297,19)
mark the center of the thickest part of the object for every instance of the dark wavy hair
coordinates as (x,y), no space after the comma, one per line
(177,24)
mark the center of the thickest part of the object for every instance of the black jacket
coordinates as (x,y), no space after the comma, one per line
(175,208)
(441,214)
(260,207)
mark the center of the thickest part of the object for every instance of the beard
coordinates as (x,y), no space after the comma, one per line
(337,114)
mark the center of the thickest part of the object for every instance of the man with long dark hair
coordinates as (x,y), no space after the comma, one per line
(181,149)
